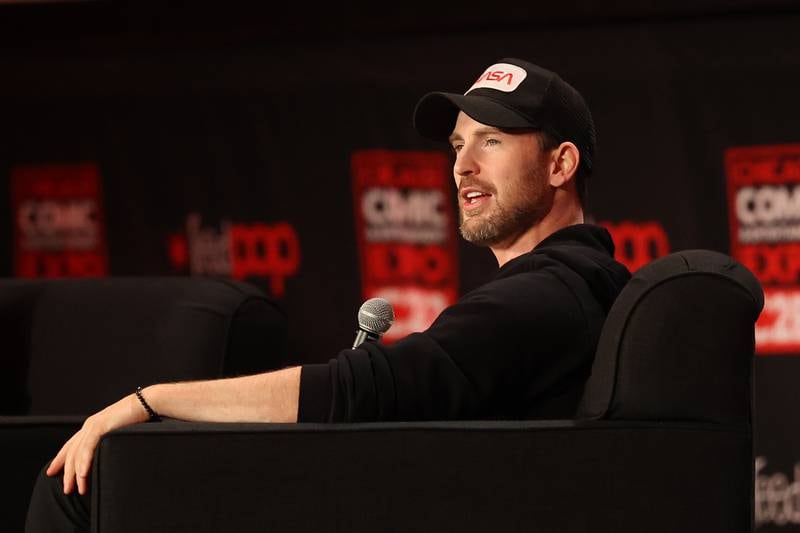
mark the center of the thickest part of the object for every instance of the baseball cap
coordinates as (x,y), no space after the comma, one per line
(510,94)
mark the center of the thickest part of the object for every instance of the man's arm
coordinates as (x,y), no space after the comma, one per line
(267,397)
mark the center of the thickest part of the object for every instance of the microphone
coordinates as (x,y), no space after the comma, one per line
(375,317)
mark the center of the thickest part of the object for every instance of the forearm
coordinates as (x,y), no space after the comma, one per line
(268,397)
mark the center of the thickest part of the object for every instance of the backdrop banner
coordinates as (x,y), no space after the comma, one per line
(295,166)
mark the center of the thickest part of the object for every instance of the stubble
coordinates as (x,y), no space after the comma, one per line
(524,205)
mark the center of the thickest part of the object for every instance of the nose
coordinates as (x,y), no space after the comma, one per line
(465,164)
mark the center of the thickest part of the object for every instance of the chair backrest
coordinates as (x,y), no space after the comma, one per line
(71,346)
(678,343)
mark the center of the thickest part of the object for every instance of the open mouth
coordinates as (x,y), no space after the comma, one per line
(473,199)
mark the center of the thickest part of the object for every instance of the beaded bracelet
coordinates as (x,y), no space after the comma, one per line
(154,417)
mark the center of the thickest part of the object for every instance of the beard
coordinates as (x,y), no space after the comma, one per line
(528,202)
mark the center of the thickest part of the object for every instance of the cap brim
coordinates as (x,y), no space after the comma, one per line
(435,114)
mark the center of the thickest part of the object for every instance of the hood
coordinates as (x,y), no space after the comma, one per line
(585,249)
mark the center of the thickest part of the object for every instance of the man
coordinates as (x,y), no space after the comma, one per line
(520,346)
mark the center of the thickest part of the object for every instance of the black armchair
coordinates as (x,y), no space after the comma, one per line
(662,442)
(73,346)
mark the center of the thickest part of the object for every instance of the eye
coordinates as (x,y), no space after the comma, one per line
(491,141)
(457,147)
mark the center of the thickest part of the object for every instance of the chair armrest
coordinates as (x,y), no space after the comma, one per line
(443,476)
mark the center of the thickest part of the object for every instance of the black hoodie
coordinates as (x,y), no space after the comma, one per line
(519,347)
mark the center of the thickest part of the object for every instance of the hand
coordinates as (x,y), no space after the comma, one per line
(75,457)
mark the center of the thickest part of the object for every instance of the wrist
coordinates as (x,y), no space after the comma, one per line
(135,407)
(145,405)
(153,395)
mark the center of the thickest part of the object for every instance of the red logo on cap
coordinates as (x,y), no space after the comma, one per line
(496,75)
(500,76)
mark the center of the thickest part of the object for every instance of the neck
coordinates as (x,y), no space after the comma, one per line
(561,215)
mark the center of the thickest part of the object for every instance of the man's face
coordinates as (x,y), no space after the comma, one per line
(502,181)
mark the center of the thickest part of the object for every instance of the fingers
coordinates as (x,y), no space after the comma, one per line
(58,462)
(83,483)
(69,470)
(77,461)
(75,458)
(83,460)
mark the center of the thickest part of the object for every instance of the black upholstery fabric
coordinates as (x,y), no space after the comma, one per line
(678,343)
(72,346)
(423,477)
(17,301)
(79,344)
(256,339)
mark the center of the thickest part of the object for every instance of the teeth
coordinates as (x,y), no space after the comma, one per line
(474,194)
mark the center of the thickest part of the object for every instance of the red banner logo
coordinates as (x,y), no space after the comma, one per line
(59,226)
(241,251)
(406,234)
(764,217)
(637,243)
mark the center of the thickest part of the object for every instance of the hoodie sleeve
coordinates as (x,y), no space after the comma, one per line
(470,359)
(414,379)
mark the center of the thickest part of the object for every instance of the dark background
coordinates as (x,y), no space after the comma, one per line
(251,115)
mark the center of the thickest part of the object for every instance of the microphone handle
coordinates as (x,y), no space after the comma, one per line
(364,335)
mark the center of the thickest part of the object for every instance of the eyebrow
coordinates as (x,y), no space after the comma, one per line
(484,130)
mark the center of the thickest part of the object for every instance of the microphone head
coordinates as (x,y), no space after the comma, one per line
(376,316)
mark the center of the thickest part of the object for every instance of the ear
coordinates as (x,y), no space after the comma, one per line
(565,160)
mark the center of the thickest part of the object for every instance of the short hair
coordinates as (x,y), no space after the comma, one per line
(547,142)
